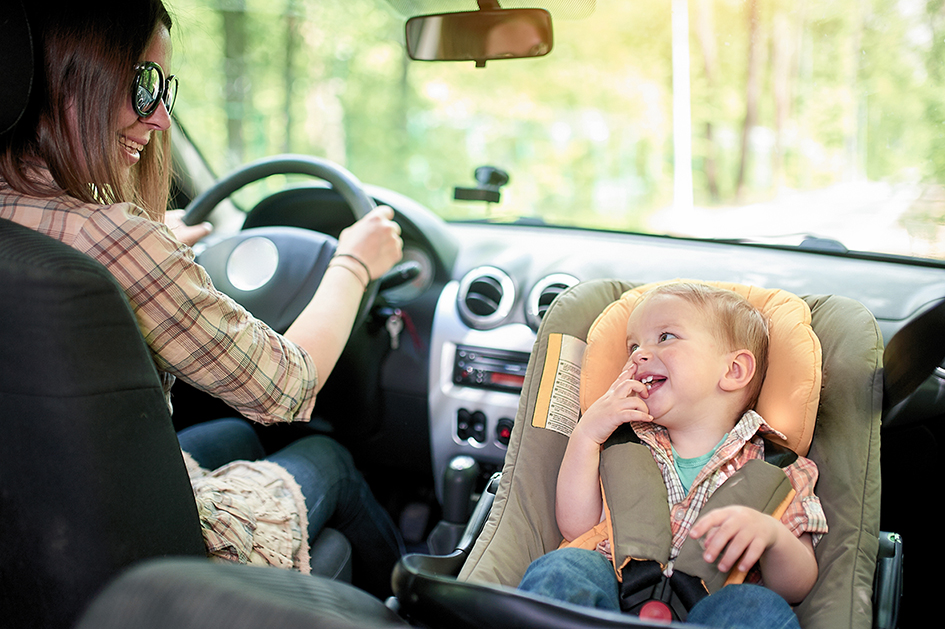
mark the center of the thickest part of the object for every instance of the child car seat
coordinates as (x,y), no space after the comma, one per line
(639,532)
(521,523)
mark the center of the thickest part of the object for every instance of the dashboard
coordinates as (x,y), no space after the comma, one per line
(446,390)
(490,289)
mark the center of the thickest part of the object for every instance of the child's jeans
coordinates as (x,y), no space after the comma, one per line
(586,578)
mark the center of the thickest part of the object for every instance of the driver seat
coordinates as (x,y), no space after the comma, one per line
(93,479)
(474,587)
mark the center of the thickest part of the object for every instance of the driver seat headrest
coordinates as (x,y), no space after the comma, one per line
(16,64)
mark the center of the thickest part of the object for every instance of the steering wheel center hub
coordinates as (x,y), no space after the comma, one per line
(252,263)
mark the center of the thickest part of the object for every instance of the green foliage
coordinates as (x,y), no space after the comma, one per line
(586,132)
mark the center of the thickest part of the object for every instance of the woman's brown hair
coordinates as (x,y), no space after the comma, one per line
(85,58)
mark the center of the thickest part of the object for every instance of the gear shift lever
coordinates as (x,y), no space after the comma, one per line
(459,481)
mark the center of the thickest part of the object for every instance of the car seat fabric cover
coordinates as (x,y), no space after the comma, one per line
(521,526)
(93,477)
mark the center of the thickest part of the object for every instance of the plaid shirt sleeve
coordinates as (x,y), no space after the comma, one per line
(194,331)
(805,514)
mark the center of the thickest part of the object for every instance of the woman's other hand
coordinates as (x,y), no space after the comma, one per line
(187,234)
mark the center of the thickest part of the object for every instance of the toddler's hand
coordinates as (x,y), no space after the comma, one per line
(623,402)
(744,534)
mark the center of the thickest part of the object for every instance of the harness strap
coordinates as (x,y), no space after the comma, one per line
(637,514)
(759,485)
(637,502)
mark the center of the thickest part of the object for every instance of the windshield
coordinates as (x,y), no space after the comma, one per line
(762,120)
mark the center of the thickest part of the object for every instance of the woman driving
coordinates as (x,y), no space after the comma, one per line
(88,164)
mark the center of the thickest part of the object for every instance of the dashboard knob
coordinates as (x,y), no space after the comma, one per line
(503,430)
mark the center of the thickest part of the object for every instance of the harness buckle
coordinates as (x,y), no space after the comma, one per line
(657,611)
(646,592)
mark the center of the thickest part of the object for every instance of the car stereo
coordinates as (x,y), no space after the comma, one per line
(500,370)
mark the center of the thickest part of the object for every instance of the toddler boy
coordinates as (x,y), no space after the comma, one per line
(696,360)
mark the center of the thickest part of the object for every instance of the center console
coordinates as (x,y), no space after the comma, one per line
(476,378)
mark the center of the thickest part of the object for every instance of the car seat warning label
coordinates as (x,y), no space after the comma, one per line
(558,405)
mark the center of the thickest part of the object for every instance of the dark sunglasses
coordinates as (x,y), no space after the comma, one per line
(150,87)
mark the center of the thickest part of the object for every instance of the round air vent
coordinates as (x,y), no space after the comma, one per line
(485,297)
(543,293)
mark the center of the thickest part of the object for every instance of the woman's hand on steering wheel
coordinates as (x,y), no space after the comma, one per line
(374,240)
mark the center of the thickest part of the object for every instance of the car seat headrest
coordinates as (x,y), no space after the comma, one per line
(791,391)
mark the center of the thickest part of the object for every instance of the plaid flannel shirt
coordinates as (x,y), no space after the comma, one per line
(195,332)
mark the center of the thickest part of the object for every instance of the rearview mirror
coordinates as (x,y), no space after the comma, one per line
(480,36)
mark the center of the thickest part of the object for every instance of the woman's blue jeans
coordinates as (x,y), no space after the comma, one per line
(586,578)
(336,493)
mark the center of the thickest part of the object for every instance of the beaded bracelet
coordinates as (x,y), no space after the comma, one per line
(352,272)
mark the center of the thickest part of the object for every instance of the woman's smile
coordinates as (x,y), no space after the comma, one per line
(132,148)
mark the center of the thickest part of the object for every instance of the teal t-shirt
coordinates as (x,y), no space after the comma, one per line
(688,469)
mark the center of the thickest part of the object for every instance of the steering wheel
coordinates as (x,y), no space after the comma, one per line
(274,271)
